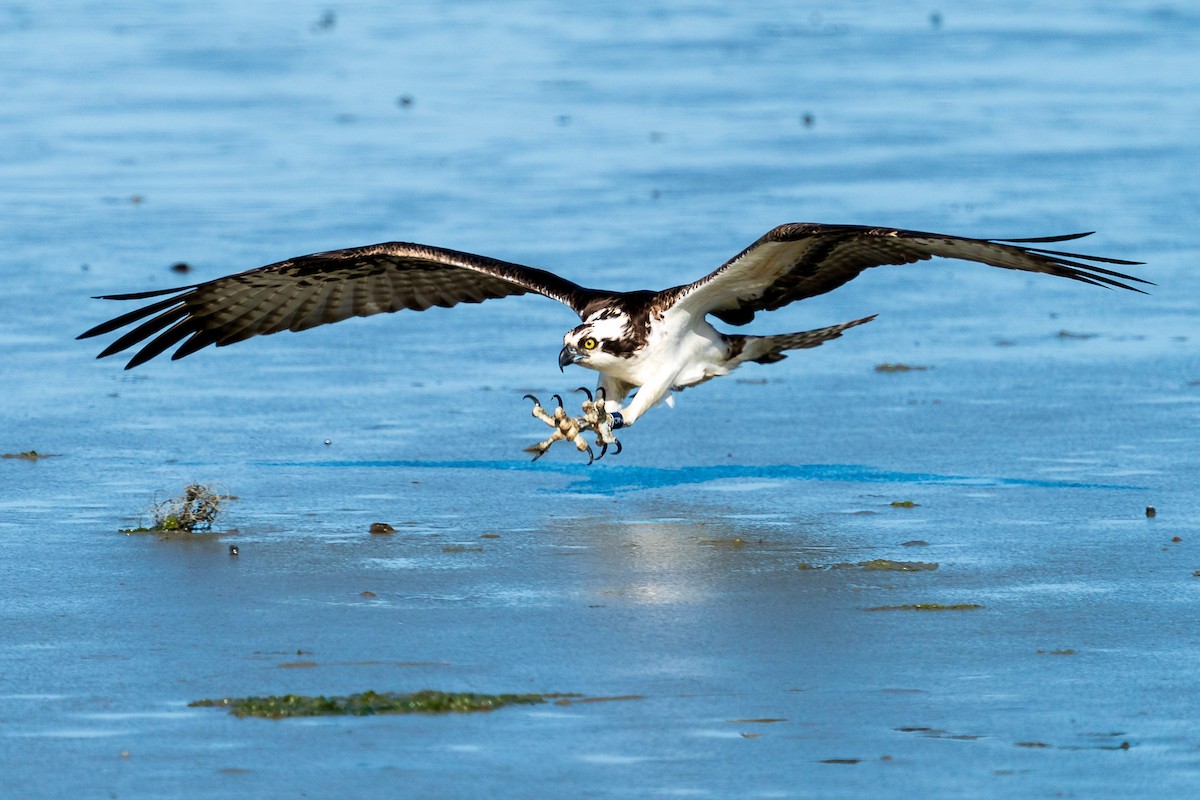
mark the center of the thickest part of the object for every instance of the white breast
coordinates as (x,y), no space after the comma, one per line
(681,351)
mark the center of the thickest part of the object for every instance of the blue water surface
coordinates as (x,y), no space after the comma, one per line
(712,574)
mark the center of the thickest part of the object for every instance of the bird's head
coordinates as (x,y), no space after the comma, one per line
(599,342)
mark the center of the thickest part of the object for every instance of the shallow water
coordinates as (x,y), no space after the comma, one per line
(633,149)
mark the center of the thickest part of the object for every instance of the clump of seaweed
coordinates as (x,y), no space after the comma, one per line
(900,368)
(368,703)
(195,510)
(29,455)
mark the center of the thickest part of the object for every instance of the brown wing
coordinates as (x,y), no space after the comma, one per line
(805,259)
(318,289)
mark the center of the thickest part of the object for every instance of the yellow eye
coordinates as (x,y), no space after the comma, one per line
(589,343)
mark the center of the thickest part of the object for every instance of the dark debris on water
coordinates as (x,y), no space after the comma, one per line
(195,510)
(29,455)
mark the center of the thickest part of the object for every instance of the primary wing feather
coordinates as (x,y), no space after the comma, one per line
(801,259)
(319,289)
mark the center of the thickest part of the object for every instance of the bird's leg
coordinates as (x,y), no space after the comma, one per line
(564,428)
(596,418)
(540,448)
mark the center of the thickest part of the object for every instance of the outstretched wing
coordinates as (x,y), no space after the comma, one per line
(805,259)
(318,289)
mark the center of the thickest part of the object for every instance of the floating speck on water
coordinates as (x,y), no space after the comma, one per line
(327,21)
(233,550)
(1151,511)
(381,528)
(904,504)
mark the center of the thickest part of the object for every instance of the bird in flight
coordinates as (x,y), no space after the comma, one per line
(645,344)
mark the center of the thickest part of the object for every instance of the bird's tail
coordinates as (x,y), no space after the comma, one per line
(769,349)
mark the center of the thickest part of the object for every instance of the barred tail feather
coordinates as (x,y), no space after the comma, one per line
(769,349)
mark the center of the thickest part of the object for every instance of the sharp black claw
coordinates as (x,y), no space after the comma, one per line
(601,395)
(558,400)
(536,402)
(603,450)
(591,456)
(617,452)
(537,451)
(584,389)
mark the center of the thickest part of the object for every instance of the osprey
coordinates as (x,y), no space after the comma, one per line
(645,344)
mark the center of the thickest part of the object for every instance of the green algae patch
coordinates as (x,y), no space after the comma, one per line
(904,504)
(887,565)
(928,607)
(900,368)
(29,455)
(370,703)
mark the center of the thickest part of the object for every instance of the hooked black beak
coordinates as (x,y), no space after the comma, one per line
(568,355)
